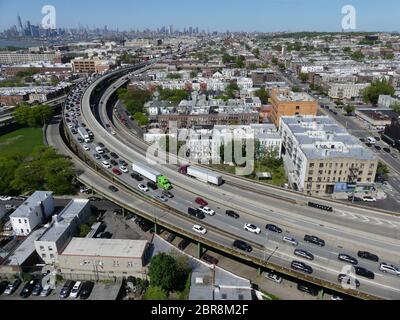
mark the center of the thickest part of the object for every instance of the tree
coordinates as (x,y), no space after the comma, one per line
(8,166)
(33,116)
(155,293)
(303,77)
(347,50)
(349,109)
(382,172)
(163,272)
(296,89)
(378,87)
(240,62)
(275,60)
(141,118)
(263,95)
(174,76)
(84,229)
(357,55)
(134,99)
(396,107)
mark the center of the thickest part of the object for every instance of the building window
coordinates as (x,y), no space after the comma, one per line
(51,256)
(41,248)
(19,220)
(321,165)
(50,248)
(26,220)
(43,255)
(312,165)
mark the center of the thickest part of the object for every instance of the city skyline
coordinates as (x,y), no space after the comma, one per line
(262,16)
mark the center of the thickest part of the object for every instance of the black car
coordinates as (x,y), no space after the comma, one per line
(152,185)
(367,255)
(304,254)
(123,163)
(232,214)
(171,237)
(12,286)
(27,289)
(114,155)
(308,289)
(167,194)
(66,289)
(183,244)
(97,156)
(137,177)
(113,189)
(347,258)
(80,140)
(355,199)
(106,157)
(378,148)
(273,228)
(73,131)
(101,145)
(301,266)
(86,290)
(241,245)
(314,240)
(37,289)
(386,150)
(106,235)
(114,163)
(364,273)
(95,199)
(343,278)
(196,213)
(210,259)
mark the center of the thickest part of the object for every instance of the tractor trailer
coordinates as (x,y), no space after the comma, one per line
(202,174)
(84,134)
(152,175)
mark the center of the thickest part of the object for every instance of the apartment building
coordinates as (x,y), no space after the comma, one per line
(34,211)
(41,67)
(321,157)
(87,66)
(18,57)
(346,90)
(288,103)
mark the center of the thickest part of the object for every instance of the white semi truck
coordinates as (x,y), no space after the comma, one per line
(202,174)
(152,175)
(84,134)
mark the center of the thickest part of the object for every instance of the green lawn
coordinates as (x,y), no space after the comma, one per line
(21,141)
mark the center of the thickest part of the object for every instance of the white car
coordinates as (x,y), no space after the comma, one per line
(207,210)
(106,164)
(76,289)
(273,277)
(290,240)
(199,229)
(388,268)
(5,198)
(84,190)
(124,169)
(336,298)
(113,133)
(143,188)
(252,228)
(86,148)
(368,199)
(70,125)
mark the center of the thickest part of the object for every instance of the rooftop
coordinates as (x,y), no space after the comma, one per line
(105,248)
(31,202)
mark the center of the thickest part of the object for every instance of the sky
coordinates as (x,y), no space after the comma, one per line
(218,15)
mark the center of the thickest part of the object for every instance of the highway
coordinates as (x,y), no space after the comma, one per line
(260,209)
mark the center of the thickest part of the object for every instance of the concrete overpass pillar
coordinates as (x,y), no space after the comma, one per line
(199,250)
(259,271)
(155,228)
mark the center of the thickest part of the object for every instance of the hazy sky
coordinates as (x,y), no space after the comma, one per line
(221,15)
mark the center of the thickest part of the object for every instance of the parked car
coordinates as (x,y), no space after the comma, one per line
(76,289)
(273,228)
(27,289)
(66,289)
(183,244)
(308,289)
(37,289)
(232,214)
(273,277)
(210,259)
(3,286)
(12,287)
(241,245)
(368,256)
(171,237)
(314,240)
(368,199)
(87,288)
(347,258)
(46,290)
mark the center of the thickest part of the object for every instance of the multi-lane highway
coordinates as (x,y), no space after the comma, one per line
(346,230)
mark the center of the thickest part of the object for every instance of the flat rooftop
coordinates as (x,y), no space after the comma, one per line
(105,248)
(291,96)
(69,213)
(31,202)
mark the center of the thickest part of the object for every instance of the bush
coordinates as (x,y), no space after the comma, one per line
(155,293)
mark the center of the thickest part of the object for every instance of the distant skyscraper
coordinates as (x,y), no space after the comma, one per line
(171,29)
(20,27)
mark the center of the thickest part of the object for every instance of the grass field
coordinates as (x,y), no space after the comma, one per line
(22,141)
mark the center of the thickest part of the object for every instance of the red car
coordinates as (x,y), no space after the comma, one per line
(201,202)
(117,172)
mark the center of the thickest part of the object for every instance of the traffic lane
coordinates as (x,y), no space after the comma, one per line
(128,197)
(256,210)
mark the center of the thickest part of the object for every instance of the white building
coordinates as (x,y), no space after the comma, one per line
(346,90)
(34,211)
(386,101)
(61,230)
